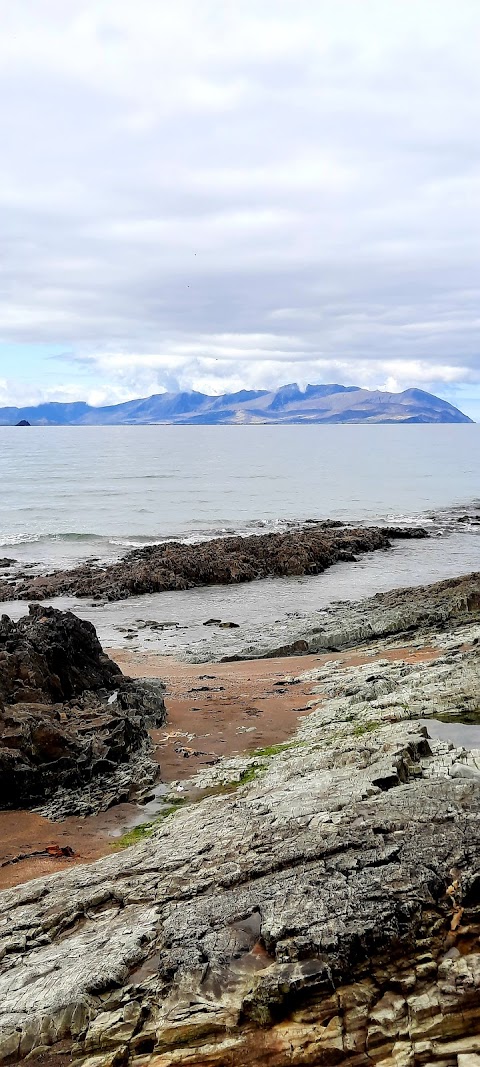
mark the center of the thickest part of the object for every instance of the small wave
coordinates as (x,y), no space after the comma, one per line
(457,517)
(275,524)
(76,537)
(409,520)
(141,542)
(19,539)
(49,538)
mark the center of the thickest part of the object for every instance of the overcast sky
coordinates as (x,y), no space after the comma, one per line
(213,195)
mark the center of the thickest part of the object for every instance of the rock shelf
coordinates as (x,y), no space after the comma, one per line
(320,907)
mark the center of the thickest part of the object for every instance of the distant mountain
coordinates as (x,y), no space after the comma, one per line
(288,404)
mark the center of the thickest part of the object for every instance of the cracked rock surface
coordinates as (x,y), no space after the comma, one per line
(326,911)
(73,728)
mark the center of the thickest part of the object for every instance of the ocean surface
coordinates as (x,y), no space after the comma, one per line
(74,493)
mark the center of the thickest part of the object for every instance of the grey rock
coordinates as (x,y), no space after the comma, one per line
(460,770)
(312,916)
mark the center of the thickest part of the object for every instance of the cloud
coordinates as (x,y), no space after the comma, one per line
(217,195)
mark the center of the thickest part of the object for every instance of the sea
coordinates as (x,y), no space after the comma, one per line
(69,494)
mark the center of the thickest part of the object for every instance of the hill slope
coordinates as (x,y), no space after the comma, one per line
(288,404)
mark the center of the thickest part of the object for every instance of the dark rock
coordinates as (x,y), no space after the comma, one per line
(67,713)
(222,561)
(5,561)
(53,656)
(295,648)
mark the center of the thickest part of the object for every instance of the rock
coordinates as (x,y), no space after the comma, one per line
(306,917)
(51,655)
(73,729)
(5,561)
(422,610)
(224,560)
(295,648)
(460,770)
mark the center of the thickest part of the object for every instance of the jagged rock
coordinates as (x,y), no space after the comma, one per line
(224,560)
(327,912)
(49,656)
(71,725)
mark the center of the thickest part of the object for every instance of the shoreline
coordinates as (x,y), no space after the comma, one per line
(175,566)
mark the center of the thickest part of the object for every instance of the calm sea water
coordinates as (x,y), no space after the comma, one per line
(74,493)
(70,492)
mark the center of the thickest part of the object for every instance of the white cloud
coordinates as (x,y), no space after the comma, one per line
(241,193)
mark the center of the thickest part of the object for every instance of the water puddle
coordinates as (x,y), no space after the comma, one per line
(463,735)
(155,804)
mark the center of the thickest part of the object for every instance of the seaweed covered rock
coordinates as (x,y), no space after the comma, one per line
(222,560)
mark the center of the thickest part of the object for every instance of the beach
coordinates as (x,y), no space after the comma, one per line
(278,775)
(218,742)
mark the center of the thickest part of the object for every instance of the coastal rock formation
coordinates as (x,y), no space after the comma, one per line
(326,911)
(421,610)
(223,560)
(72,727)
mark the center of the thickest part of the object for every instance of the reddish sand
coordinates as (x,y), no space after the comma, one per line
(214,710)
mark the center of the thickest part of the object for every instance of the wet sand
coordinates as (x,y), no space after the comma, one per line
(226,709)
(214,710)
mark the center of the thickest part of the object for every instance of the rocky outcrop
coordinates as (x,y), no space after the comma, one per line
(397,613)
(327,911)
(73,729)
(224,560)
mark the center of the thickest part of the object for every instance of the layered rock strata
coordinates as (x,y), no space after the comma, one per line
(398,613)
(224,560)
(73,729)
(326,911)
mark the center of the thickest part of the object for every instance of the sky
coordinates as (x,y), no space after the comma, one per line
(240,193)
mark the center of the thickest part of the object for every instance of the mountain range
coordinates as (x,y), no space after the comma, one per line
(288,404)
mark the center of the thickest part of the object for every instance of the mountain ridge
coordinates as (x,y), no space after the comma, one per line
(316,404)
